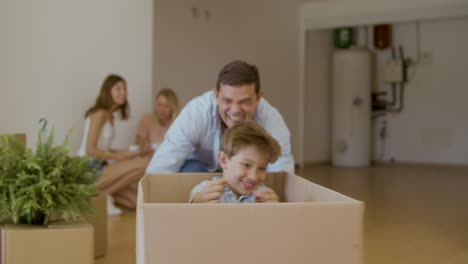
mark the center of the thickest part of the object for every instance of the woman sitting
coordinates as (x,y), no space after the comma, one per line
(154,125)
(120,168)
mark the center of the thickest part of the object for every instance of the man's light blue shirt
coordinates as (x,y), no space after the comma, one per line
(197,131)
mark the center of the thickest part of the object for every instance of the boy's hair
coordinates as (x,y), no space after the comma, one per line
(246,134)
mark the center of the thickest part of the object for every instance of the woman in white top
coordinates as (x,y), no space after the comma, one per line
(120,168)
(154,125)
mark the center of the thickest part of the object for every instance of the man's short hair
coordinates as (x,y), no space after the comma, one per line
(239,73)
(247,134)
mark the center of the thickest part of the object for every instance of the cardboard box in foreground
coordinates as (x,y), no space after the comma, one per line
(314,225)
(68,242)
(99,223)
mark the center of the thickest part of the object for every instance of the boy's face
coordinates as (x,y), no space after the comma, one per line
(245,171)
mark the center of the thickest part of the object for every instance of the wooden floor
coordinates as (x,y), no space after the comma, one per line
(414,214)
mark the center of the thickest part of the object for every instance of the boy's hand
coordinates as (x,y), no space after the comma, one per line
(266,195)
(211,192)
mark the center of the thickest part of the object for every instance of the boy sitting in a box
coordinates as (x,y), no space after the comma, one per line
(246,149)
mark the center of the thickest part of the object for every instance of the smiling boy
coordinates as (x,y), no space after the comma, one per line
(246,150)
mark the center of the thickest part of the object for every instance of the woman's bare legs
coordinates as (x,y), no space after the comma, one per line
(124,181)
(116,182)
(120,174)
(126,197)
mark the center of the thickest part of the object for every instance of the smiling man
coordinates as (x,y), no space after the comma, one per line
(192,142)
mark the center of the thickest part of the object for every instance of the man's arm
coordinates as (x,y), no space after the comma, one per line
(179,142)
(275,125)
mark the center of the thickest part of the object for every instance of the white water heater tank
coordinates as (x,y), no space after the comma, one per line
(351,108)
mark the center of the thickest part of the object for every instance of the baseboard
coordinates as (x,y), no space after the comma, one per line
(418,164)
(313,163)
(391,163)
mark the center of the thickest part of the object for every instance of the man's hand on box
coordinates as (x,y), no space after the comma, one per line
(266,195)
(211,192)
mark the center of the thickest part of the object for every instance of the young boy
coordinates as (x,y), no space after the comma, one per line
(246,150)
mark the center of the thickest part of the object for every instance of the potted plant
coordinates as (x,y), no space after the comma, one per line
(43,185)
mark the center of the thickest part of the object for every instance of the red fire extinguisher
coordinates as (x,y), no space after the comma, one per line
(382,36)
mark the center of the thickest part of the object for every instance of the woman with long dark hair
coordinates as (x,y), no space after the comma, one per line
(120,168)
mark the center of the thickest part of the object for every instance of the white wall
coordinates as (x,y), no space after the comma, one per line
(432,127)
(190,52)
(328,14)
(56,53)
(3,52)
(334,13)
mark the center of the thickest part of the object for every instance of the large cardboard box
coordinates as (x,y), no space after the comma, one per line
(68,242)
(313,225)
(99,222)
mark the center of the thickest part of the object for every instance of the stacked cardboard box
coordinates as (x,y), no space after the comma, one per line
(68,242)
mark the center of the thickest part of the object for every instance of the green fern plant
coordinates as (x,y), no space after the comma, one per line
(36,187)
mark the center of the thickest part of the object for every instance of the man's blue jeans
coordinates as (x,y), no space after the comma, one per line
(192,165)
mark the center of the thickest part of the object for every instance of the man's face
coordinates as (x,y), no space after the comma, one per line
(237,103)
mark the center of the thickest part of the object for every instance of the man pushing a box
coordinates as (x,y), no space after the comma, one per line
(193,141)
